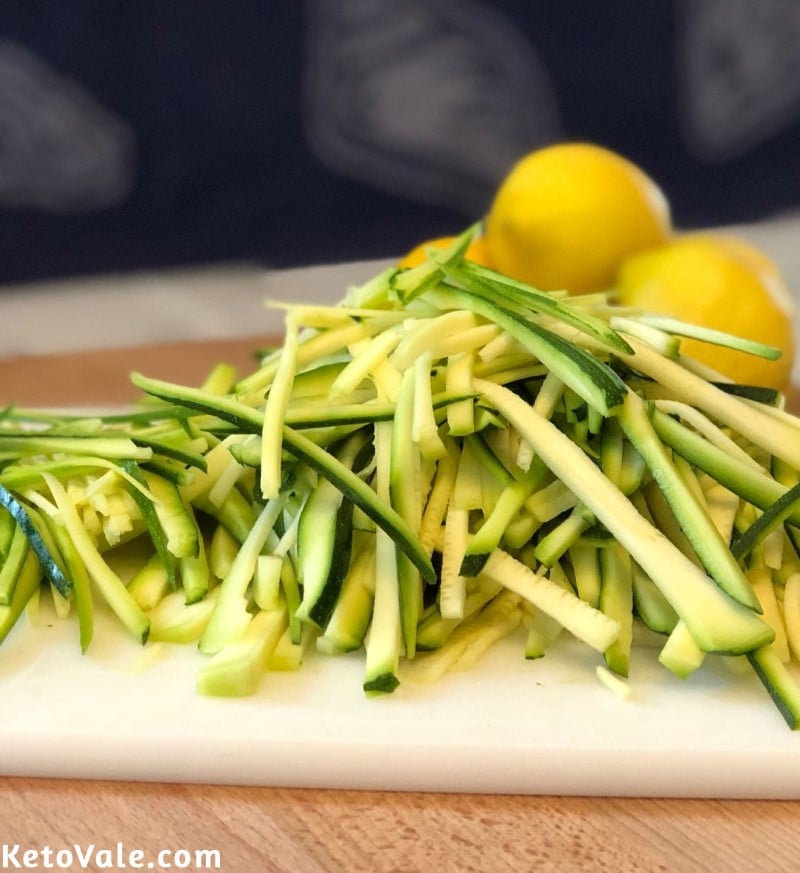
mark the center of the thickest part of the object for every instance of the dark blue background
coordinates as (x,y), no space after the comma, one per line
(212,92)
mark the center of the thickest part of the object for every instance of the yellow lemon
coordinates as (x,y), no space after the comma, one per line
(476,251)
(723,283)
(567,215)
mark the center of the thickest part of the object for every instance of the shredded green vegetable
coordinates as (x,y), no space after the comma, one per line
(454,458)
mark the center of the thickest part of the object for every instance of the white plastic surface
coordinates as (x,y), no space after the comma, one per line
(510,726)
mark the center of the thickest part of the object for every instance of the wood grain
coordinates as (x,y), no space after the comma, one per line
(282,830)
(97,377)
(304,831)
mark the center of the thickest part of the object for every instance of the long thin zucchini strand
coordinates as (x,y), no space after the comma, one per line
(717,622)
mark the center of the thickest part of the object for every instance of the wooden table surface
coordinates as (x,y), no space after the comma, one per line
(260,830)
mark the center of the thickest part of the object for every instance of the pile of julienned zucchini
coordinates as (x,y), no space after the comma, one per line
(446,458)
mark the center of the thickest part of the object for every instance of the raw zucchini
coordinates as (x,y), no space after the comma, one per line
(529,457)
(48,562)
(717,622)
(385,636)
(324,537)
(694,521)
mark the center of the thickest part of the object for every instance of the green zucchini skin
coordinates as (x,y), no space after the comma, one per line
(383,684)
(779,683)
(151,521)
(694,521)
(305,449)
(338,548)
(754,487)
(30,578)
(362,495)
(758,393)
(178,526)
(651,605)
(347,626)
(12,565)
(332,534)
(774,515)
(717,621)
(591,379)
(49,564)
(527,301)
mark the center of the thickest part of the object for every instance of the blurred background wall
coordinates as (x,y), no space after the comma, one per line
(150,133)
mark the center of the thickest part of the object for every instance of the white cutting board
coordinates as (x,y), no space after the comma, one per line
(510,726)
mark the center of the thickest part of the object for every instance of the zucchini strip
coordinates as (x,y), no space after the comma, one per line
(709,335)
(592,380)
(616,602)
(491,285)
(363,363)
(778,437)
(303,448)
(324,542)
(767,521)
(7,528)
(151,520)
(109,447)
(409,284)
(274,412)
(311,347)
(12,565)
(404,496)
(708,429)
(757,488)
(363,496)
(51,567)
(716,621)
(81,582)
(28,583)
(585,622)
(779,683)
(230,617)
(108,582)
(385,637)
(693,519)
